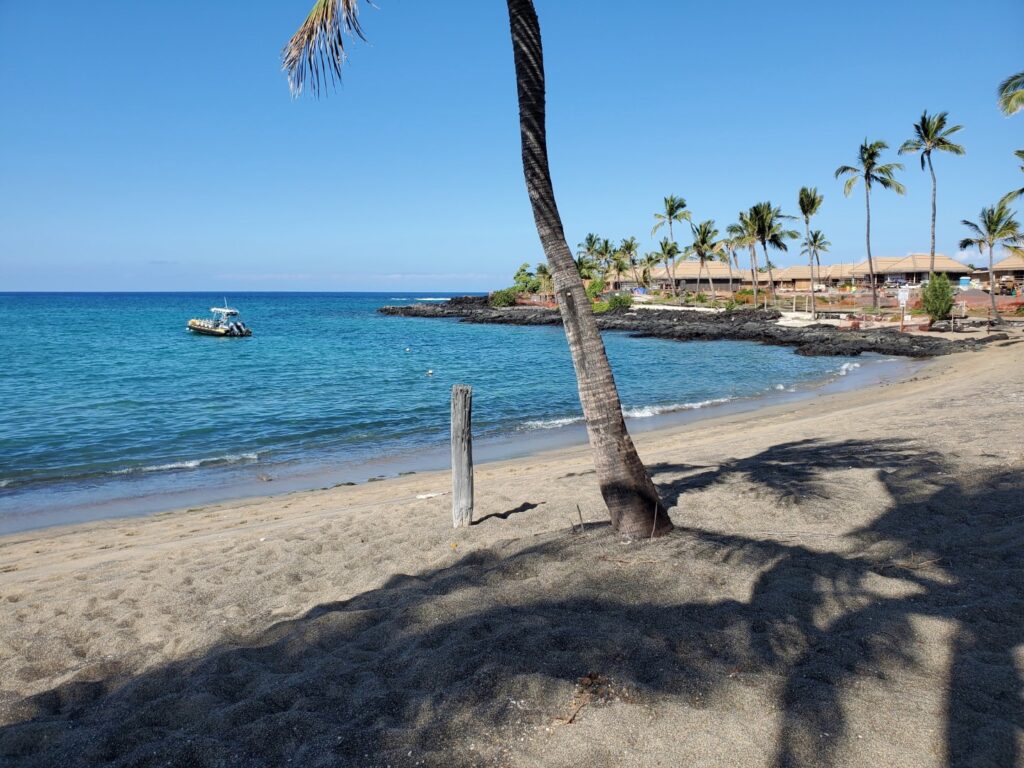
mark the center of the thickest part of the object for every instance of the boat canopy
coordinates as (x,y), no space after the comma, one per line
(227,311)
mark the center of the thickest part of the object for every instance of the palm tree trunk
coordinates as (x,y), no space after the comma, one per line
(771,277)
(634,505)
(753,270)
(670,265)
(992,283)
(728,261)
(871,264)
(931,264)
(810,259)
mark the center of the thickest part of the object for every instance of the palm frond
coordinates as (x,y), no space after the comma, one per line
(1011,94)
(316,52)
(849,185)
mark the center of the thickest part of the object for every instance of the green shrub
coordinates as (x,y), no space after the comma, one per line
(599,307)
(700,298)
(730,305)
(595,289)
(937,297)
(745,292)
(506,297)
(620,301)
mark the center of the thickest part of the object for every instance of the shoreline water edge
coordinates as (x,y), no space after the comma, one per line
(181,485)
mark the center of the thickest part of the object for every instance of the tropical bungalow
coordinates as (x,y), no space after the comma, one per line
(1012,266)
(912,269)
(798,278)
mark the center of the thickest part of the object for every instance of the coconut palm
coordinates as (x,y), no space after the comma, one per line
(586,257)
(629,248)
(1011,94)
(995,227)
(728,257)
(769,231)
(314,56)
(1009,197)
(649,262)
(872,172)
(705,248)
(932,135)
(667,255)
(814,246)
(605,255)
(675,211)
(744,235)
(543,275)
(810,203)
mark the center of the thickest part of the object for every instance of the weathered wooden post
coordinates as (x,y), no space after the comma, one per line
(462,456)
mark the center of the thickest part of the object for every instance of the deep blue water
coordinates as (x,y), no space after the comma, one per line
(107,396)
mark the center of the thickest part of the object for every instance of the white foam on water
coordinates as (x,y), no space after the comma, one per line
(845,368)
(432,298)
(191,463)
(646,411)
(551,423)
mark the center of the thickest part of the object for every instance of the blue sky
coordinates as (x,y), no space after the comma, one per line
(154,146)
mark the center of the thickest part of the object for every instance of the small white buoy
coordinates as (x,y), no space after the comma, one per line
(430,373)
(408,349)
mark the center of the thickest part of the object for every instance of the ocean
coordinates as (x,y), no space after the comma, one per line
(110,407)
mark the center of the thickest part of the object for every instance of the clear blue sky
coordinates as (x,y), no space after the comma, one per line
(154,145)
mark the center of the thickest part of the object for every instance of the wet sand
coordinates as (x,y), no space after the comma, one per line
(845,587)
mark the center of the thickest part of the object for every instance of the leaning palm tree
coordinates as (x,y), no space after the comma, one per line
(810,203)
(629,248)
(768,229)
(932,135)
(995,227)
(314,56)
(705,248)
(872,172)
(1011,94)
(675,211)
(744,234)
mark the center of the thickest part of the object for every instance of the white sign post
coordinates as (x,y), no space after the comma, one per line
(904,297)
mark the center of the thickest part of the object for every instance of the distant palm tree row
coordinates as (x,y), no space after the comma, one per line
(764,224)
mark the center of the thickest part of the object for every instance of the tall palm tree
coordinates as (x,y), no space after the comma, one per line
(667,255)
(769,231)
(675,211)
(810,203)
(315,55)
(995,227)
(932,135)
(705,247)
(744,234)
(605,255)
(872,171)
(629,248)
(1011,94)
(543,275)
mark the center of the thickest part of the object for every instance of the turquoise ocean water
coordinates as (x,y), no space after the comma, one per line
(109,406)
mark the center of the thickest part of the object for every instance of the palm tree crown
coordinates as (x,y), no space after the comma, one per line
(675,211)
(995,227)
(810,202)
(871,170)
(1009,197)
(932,135)
(815,244)
(316,52)
(1011,94)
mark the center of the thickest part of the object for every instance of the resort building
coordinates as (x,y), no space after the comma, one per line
(912,270)
(1012,266)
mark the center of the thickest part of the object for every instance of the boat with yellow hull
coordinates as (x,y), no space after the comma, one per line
(224,322)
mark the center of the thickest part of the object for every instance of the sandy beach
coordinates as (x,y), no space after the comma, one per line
(845,587)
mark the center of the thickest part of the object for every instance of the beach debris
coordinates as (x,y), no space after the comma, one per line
(591,688)
(429,495)
(266,478)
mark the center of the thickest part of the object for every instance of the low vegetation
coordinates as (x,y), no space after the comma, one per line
(937,297)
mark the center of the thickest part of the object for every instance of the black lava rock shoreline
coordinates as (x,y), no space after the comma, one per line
(682,325)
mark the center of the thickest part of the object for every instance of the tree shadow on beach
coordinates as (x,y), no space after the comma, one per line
(453,666)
